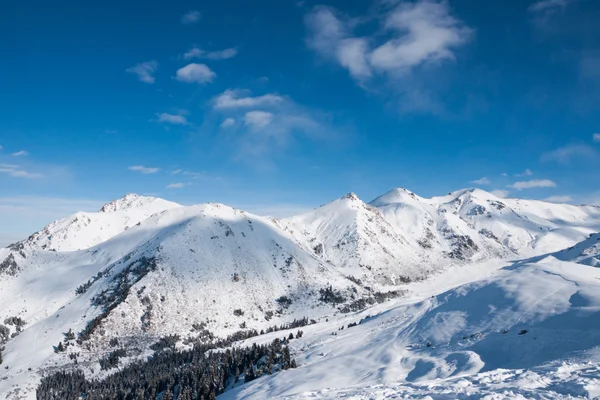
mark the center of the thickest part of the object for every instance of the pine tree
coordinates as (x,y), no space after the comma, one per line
(60,348)
(286,358)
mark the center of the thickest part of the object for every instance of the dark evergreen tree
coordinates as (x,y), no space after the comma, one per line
(201,373)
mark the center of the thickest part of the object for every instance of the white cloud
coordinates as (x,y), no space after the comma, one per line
(177,185)
(145,71)
(527,172)
(504,174)
(258,119)
(222,54)
(1,148)
(481,181)
(565,154)
(196,52)
(235,99)
(595,137)
(195,73)
(16,171)
(500,193)
(177,171)
(534,183)
(422,32)
(559,199)
(548,6)
(191,17)
(426,32)
(278,119)
(176,119)
(20,153)
(352,54)
(143,170)
(227,123)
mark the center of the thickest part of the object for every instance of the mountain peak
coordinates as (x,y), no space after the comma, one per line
(350,196)
(394,196)
(127,201)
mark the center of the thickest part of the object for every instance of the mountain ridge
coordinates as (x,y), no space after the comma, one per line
(144,268)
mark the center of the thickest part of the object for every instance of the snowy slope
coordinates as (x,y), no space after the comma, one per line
(83,230)
(586,252)
(142,268)
(523,330)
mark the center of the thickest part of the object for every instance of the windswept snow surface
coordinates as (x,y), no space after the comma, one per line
(527,330)
(448,263)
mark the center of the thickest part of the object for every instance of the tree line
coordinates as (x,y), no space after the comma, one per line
(201,373)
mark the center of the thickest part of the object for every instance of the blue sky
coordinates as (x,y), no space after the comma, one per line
(278,106)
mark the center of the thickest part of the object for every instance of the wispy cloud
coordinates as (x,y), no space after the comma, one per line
(21,153)
(237,99)
(559,199)
(145,71)
(596,137)
(177,185)
(176,119)
(175,172)
(1,148)
(548,6)
(418,33)
(481,181)
(224,54)
(263,124)
(143,170)
(16,171)
(195,73)
(566,154)
(534,183)
(227,123)
(527,172)
(191,17)
(258,120)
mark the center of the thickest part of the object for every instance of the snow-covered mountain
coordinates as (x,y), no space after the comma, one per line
(143,268)
(83,229)
(474,224)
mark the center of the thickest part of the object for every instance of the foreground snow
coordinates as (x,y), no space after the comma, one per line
(528,330)
(554,381)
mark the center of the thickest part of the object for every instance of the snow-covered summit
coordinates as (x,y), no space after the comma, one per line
(86,229)
(132,200)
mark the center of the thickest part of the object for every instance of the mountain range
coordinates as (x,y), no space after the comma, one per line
(142,268)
